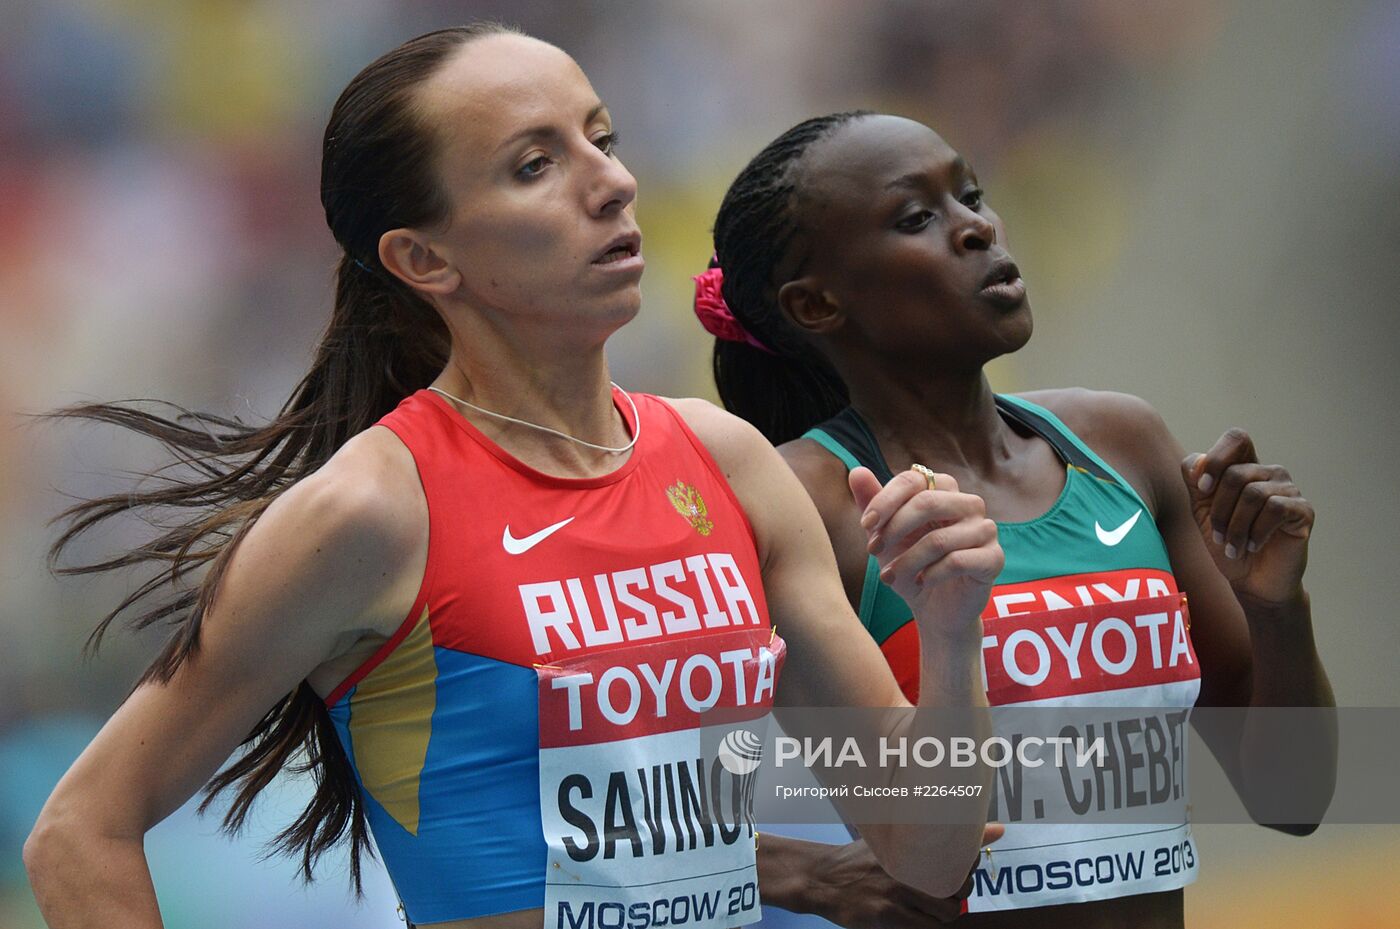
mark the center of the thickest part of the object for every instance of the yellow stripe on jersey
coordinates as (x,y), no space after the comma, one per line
(391,721)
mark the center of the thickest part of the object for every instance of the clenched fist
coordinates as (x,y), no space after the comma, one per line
(935,547)
(1254,519)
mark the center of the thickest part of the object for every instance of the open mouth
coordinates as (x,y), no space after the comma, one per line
(1003,283)
(1003,272)
(621,249)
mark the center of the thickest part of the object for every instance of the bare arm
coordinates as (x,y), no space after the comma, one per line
(844,883)
(326,565)
(1251,620)
(940,554)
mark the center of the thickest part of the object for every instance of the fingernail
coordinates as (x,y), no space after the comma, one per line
(1231,552)
(1219,537)
(867,520)
(886,576)
(1253,546)
(876,543)
(1205,483)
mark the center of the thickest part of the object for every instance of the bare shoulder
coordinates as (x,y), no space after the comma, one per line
(814,465)
(367,494)
(1126,430)
(1085,410)
(741,450)
(779,511)
(1106,418)
(731,441)
(350,536)
(826,478)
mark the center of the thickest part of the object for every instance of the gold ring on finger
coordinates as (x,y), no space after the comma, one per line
(926,472)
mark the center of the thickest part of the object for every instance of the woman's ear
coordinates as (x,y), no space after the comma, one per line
(409,256)
(810,308)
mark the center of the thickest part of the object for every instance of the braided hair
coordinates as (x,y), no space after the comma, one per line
(792,388)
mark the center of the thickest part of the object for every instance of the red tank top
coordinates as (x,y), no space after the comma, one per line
(650,572)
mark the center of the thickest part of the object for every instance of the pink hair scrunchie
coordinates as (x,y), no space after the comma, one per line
(714,314)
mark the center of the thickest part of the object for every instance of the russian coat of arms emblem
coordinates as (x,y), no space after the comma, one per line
(691,505)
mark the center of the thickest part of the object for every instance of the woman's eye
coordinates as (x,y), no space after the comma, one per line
(606,143)
(534,166)
(915,221)
(972,199)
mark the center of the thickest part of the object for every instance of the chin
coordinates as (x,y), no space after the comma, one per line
(626,309)
(615,314)
(1018,327)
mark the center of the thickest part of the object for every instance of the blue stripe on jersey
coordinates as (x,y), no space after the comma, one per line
(478,795)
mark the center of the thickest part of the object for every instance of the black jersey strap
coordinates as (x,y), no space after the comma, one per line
(1069,452)
(850,429)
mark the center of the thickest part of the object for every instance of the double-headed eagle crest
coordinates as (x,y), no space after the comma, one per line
(691,505)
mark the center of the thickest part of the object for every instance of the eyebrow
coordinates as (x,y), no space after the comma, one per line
(547,131)
(916,179)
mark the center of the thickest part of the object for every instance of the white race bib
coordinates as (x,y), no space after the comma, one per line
(1133,654)
(648,760)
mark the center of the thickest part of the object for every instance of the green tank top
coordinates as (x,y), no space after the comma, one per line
(1097,542)
(1086,613)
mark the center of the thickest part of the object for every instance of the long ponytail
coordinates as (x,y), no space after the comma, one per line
(785,391)
(383,342)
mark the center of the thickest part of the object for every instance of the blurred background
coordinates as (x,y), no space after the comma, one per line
(1201,194)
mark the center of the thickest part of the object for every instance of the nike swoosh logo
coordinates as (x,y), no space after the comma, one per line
(1113,537)
(516,546)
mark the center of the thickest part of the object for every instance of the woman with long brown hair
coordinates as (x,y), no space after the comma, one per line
(485,596)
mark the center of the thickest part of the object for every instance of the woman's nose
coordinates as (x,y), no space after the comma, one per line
(974,232)
(613,187)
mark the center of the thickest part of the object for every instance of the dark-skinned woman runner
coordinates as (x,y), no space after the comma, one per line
(860,286)
(476,583)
